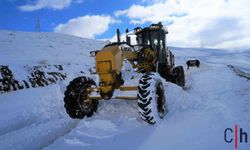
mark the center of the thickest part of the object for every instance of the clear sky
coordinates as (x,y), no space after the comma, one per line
(191,23)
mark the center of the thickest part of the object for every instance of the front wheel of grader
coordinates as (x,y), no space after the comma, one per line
(76,100)
(151,98)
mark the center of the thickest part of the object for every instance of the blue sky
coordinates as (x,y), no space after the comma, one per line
(14,18)
(191,23)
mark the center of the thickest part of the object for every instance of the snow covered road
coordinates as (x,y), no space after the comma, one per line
(197,118)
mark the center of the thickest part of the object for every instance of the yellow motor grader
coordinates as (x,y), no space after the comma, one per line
(149,56)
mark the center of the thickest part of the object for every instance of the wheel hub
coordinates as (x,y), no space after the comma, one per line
(84,101)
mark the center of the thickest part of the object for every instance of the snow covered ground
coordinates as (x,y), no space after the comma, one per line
(36,119)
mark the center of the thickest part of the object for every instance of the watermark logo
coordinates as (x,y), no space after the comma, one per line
(236,135)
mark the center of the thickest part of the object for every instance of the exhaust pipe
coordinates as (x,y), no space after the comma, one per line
(118,36)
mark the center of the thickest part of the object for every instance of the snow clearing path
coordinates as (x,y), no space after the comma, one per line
(215,99)
(197,117)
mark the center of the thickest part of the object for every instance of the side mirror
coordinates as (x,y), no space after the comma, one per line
(93,53)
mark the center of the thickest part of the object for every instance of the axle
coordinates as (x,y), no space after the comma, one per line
(121,88)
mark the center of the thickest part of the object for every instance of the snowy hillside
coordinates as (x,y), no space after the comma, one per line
(43,48)
(217,98)
(39,59)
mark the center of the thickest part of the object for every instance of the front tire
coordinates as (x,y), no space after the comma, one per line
(76,103)
(151,98)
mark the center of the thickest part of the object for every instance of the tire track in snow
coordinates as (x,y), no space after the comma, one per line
(25,113)
(37,135)
(17,123)
(239,72)
(35,122)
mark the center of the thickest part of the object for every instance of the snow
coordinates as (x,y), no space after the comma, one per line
(216,99)
(44,48)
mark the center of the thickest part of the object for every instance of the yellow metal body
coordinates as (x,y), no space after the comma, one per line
(108,65)
(109,59)
(130,55)
(109,62)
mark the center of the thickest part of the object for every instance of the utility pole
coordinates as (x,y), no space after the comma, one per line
(38,25)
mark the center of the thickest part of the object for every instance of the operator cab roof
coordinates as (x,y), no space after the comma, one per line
(152,27)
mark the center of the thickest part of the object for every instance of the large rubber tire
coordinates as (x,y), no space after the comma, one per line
(76,103)
(179,76)
(151,98)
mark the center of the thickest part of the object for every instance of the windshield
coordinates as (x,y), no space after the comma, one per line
(149,37)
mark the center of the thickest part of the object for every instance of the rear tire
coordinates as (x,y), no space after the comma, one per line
(179,76)
(197,63)
(76,103)
(151,98)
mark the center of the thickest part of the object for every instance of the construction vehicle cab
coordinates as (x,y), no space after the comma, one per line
(154,37)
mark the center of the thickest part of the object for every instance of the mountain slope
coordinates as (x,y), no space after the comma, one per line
(43,48)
